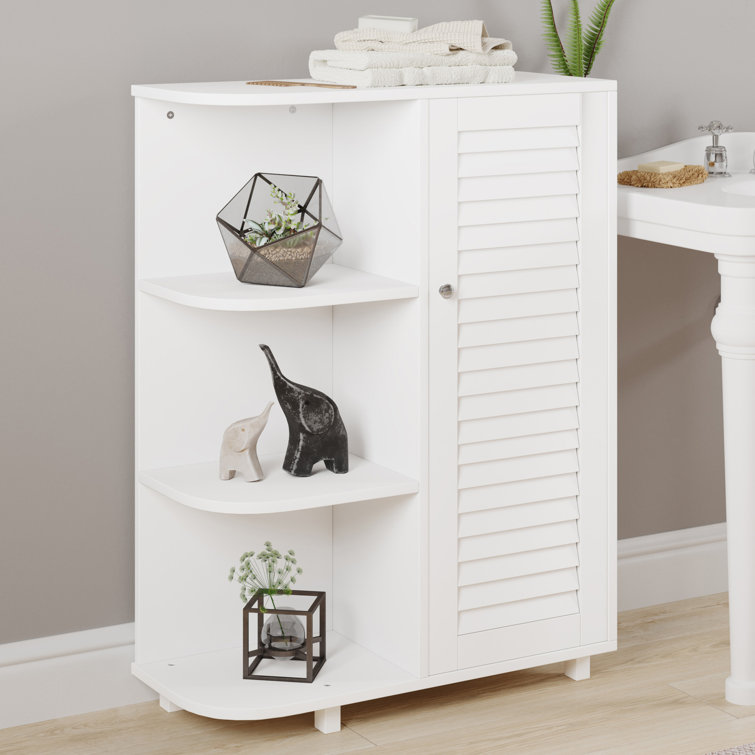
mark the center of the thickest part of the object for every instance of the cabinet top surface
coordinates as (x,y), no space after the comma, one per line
(238,93)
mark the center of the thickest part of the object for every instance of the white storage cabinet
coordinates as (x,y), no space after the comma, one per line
(475,531)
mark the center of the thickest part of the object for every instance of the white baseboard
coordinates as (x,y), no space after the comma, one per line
(672,566)
(86,671)
(68,674)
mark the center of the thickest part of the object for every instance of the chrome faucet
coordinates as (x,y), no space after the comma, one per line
(716,160)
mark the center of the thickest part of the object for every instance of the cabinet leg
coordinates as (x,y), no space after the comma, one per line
(167,705)
(578,669)
(328,720)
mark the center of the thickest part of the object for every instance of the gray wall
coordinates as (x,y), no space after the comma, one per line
(66,383)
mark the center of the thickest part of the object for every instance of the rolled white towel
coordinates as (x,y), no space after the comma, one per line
(439,39)
(395,77)
(362,61)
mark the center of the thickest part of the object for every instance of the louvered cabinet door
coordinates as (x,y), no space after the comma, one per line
(521,377)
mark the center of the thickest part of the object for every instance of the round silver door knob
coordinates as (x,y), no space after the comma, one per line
(446,290)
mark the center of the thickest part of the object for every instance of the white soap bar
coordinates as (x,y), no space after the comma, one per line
(660,166)
(392,23)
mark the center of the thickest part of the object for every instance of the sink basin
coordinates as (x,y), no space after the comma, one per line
(744,187)
(716,216)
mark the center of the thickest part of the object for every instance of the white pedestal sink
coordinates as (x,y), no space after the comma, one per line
(718,216)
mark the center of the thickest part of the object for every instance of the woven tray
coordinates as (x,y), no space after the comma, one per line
(689,175)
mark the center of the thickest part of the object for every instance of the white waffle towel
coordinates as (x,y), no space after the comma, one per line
(362,61)
(439,39)
(396,77)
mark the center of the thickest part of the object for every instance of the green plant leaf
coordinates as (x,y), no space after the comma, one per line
(594,33)
(574,53)
(556,51)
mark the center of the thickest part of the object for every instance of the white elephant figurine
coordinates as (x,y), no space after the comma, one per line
(238,452)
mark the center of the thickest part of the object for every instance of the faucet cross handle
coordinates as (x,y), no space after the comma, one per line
(716,128)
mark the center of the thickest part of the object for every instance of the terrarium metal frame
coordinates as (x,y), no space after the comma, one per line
(253,658)
(257,252)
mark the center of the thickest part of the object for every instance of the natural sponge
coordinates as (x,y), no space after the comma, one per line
(689,175)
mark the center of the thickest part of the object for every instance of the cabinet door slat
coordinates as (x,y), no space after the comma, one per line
(515,378)
(518,282)
(511,448)
(495,428)
(518,564)
(517,541)
(517,210)
(518,468)
(518,492)
(494,140)
(534,609)
(517,258)
(517,588)
(520,161)
(518,234)
(518,329)
(518,305)
(518,402)
(518,185)
(518,517)
(519,353)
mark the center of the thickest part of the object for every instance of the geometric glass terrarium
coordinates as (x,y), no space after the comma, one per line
(279,229)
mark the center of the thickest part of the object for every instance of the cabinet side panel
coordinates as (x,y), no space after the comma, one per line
(376,585)
(377,186)
(597,386)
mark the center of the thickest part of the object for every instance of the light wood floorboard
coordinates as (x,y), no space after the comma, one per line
(661,692)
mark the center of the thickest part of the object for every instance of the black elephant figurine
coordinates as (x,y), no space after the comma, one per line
(315,428)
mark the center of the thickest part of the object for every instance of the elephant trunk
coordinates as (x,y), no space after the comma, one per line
(279,378)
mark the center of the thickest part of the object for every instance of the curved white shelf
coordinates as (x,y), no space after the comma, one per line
(198,486)
(210,684)
(332,285)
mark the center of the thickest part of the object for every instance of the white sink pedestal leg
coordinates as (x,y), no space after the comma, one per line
(733,328)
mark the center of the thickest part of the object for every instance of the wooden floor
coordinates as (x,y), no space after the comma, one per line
(662,692)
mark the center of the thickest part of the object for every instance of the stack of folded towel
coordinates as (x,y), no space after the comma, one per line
(454,52)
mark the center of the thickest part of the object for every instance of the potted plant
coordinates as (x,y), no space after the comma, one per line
(264,576)
(577,57)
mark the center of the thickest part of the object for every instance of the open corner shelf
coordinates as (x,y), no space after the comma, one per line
(210,684)
(198,486)
(332,285)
